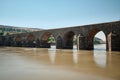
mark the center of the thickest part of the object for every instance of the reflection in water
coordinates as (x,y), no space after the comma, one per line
(34,64)
(99,47)
(52,54)
(75,56)
(74,47)
(100,56)
(34,50)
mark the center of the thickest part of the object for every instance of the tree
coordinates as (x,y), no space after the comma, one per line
(75,40)
(97,40)
(51,39)
(1,32)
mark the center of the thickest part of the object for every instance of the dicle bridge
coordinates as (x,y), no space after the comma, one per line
(64,37)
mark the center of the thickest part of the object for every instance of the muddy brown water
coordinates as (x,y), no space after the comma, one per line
(58,64)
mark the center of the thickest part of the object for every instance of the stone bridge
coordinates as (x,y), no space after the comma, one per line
(64,37)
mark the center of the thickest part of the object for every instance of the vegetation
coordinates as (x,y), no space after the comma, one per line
(1,33)
(75,40)
(4,30)
(98,41)
(51,40)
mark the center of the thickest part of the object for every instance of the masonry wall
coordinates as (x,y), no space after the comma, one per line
(87,33)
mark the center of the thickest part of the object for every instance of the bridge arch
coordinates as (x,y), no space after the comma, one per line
(111,30)
(68,40)
(18,41)
(30,40)
(44,40)
(102,43)
(59,42)
(8,41)
(90,37)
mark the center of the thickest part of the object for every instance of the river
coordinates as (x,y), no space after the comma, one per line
(58,64)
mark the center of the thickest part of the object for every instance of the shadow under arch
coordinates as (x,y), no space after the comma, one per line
(90,38)
(68,40)
(30,40)
(18,41)
(59,44)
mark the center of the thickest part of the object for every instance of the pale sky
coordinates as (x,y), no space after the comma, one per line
(101,35)
(50,14)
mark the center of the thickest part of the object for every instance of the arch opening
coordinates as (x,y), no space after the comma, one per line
(59,43)
(90,38)
(68,39)
(18,41)
(30,40)
(52,41)
(99,41)
(75,42)
(100,55)
(47,40)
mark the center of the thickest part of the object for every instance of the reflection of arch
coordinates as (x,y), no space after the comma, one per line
(75,56)
(100,58)
(90,37)
(68,38)
(59,42)
(52,55)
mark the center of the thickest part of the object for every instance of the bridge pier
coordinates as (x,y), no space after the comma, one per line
(44,44)
(109,42)
(115,41)
(81,44)
(59,43)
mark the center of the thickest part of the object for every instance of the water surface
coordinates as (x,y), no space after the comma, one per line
(58,64)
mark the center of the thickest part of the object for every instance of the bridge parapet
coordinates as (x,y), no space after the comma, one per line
(64,36)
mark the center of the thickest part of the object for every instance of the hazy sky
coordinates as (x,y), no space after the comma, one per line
(49,14)
(101,35)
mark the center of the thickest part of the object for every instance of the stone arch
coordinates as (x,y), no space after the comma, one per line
(90,37)
(59,42)
(18,38)
(30,37)
(45,36)
(97,41)
(114,40)
(68,40)
(44,40)
(30,40)
(18,41)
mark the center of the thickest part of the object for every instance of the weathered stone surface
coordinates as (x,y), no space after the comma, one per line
(64,36)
